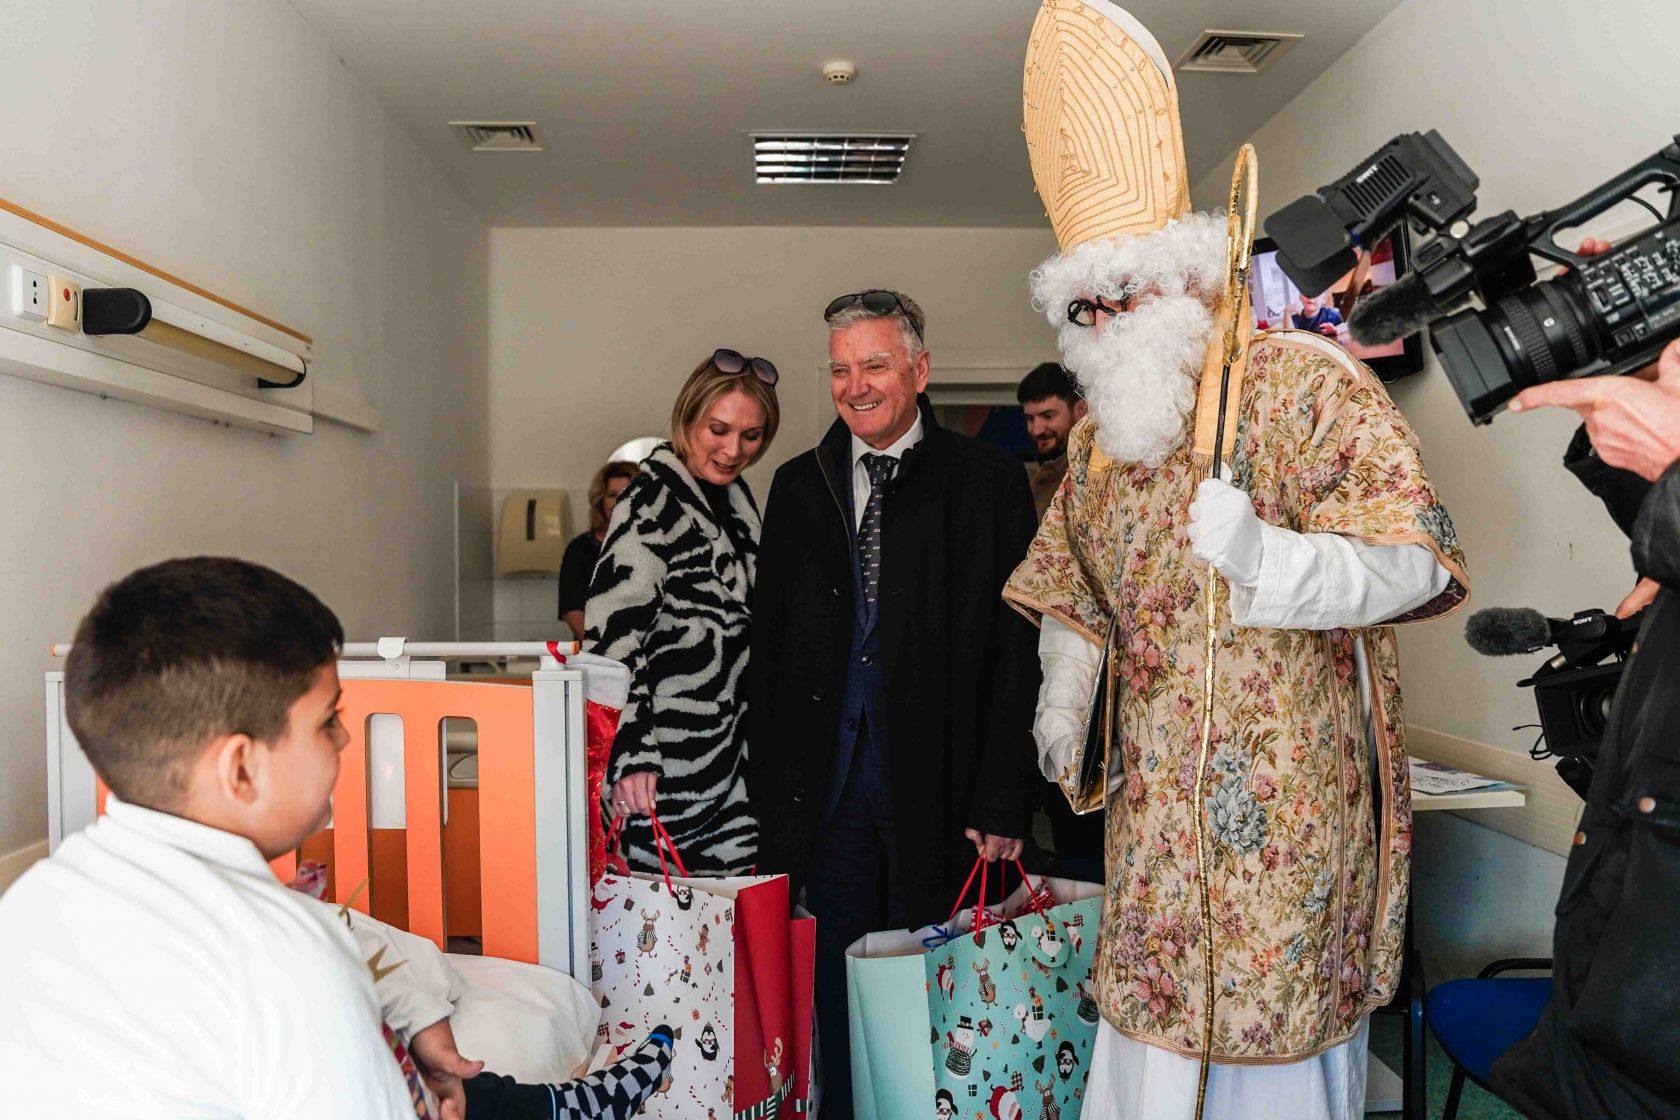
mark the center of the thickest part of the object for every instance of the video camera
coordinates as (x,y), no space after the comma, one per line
(1606,314)
(1574,690)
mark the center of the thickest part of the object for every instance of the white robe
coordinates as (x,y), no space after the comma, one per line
(1315,581)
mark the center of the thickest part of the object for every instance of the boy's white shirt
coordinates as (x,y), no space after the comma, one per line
(154,967)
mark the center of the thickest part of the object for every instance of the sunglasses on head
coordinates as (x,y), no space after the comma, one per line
(876,301)
(731,362)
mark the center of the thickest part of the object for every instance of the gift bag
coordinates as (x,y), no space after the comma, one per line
(987,1015)
(714,959)
(606,686)
(802,939)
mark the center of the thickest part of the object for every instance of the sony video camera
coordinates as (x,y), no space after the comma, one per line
(1574,690)
(1605,314)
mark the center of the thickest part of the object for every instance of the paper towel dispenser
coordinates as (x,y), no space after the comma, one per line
(534,532)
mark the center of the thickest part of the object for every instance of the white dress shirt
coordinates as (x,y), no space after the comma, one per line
(860,473)
(154,967)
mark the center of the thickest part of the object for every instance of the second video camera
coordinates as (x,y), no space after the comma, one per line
(1606,314)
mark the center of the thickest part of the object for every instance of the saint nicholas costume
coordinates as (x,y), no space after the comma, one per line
(1302,768)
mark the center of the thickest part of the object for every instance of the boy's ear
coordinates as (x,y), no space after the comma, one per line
(235,761)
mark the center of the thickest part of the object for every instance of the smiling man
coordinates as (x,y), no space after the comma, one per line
(891,691)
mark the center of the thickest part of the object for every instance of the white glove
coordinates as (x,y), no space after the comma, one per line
(1226,532)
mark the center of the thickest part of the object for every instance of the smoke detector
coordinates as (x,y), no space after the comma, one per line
(499,136)
(839,72)
(1236,52)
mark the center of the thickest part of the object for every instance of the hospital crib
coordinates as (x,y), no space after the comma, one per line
(512,867)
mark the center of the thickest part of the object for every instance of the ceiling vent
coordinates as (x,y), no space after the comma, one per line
(1236,52)
(499,136)
(818,157)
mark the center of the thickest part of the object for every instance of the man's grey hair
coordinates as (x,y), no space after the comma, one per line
(858,313)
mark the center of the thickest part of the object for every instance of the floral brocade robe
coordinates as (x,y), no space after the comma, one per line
(1308,864)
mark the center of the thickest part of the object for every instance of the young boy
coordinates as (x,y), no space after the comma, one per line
(154,966)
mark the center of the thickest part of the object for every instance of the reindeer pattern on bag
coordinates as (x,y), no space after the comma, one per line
(1010,1012)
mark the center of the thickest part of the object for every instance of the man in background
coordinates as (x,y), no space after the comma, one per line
(1052,406)
(890,689)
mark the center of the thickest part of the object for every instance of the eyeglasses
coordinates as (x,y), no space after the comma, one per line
(730,362)
(1083,312)
(876,301)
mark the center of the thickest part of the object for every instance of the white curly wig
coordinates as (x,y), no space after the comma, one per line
(1138,370)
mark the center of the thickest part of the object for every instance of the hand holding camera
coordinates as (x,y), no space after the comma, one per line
(1634,423)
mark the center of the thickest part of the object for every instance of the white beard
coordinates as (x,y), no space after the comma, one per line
(1139,371)
(1139,374)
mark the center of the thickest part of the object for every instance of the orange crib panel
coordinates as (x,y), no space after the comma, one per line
(507,852)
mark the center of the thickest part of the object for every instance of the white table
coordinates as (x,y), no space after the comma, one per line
(1383,1088)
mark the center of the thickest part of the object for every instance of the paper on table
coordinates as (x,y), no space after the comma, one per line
(1437,778)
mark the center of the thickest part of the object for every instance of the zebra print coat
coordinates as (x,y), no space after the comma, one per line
(669,599)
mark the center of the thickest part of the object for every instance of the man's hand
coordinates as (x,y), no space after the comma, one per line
(443,1069)
(1225,531)
(636,795)
(1633,424)
(993,848)
(1639,598)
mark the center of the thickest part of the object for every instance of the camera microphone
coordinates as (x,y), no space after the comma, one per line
(1397,311)
(1502,631)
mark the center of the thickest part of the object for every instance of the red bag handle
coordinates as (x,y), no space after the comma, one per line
(661,843)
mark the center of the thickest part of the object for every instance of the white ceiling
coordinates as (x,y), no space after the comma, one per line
(644,105)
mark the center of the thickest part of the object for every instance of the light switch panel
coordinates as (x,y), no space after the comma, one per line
(64,303)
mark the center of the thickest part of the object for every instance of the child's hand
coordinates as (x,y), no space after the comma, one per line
(443,1068)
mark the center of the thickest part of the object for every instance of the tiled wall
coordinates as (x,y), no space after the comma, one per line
(522,607)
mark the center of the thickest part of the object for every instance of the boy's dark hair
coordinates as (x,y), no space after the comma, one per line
(1047,380)
(174,655)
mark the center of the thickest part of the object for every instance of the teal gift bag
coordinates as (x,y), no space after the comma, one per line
(1011,1019)
(988,1014)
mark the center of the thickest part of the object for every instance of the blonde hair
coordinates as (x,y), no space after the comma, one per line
(705,387)
(617,468)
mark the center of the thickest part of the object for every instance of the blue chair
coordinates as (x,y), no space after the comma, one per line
(1478,1020)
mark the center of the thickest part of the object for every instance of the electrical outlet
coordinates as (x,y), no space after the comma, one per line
(64,303)
(29,294)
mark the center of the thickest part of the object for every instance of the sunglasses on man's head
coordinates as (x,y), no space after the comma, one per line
(876,301)
(731,362)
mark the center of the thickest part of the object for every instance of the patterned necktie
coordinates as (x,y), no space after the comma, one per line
(881,469)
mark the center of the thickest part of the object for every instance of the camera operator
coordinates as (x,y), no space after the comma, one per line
(1608,1044)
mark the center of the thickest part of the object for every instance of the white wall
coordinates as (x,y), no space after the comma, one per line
(1543,100)
(592,331)
(224,142)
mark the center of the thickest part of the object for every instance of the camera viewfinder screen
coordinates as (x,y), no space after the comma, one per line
(1278,303)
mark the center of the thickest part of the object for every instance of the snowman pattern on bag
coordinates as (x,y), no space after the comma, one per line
(1013,1018)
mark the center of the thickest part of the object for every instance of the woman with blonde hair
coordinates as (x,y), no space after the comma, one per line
(669,599)
(579,562)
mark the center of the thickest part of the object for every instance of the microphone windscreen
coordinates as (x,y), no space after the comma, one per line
(1401,309)
(1499,631)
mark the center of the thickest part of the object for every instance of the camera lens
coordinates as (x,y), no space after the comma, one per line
(1545,331)
(1533,335)
(1592,709)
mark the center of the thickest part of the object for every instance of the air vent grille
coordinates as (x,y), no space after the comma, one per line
(815,157)
(1236,52)
(499,136)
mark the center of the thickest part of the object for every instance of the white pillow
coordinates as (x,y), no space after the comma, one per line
(522,1020)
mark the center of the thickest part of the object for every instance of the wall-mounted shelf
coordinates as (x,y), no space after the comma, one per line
(205,356)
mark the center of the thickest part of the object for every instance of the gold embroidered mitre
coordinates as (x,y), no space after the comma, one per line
(1100,110)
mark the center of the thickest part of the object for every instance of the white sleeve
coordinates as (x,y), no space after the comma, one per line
(414,982)
(1325,581)
(312,1047)
(1069,663)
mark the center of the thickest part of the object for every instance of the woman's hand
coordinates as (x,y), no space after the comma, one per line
(636,795)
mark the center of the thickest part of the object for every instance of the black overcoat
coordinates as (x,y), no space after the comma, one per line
(960,667)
